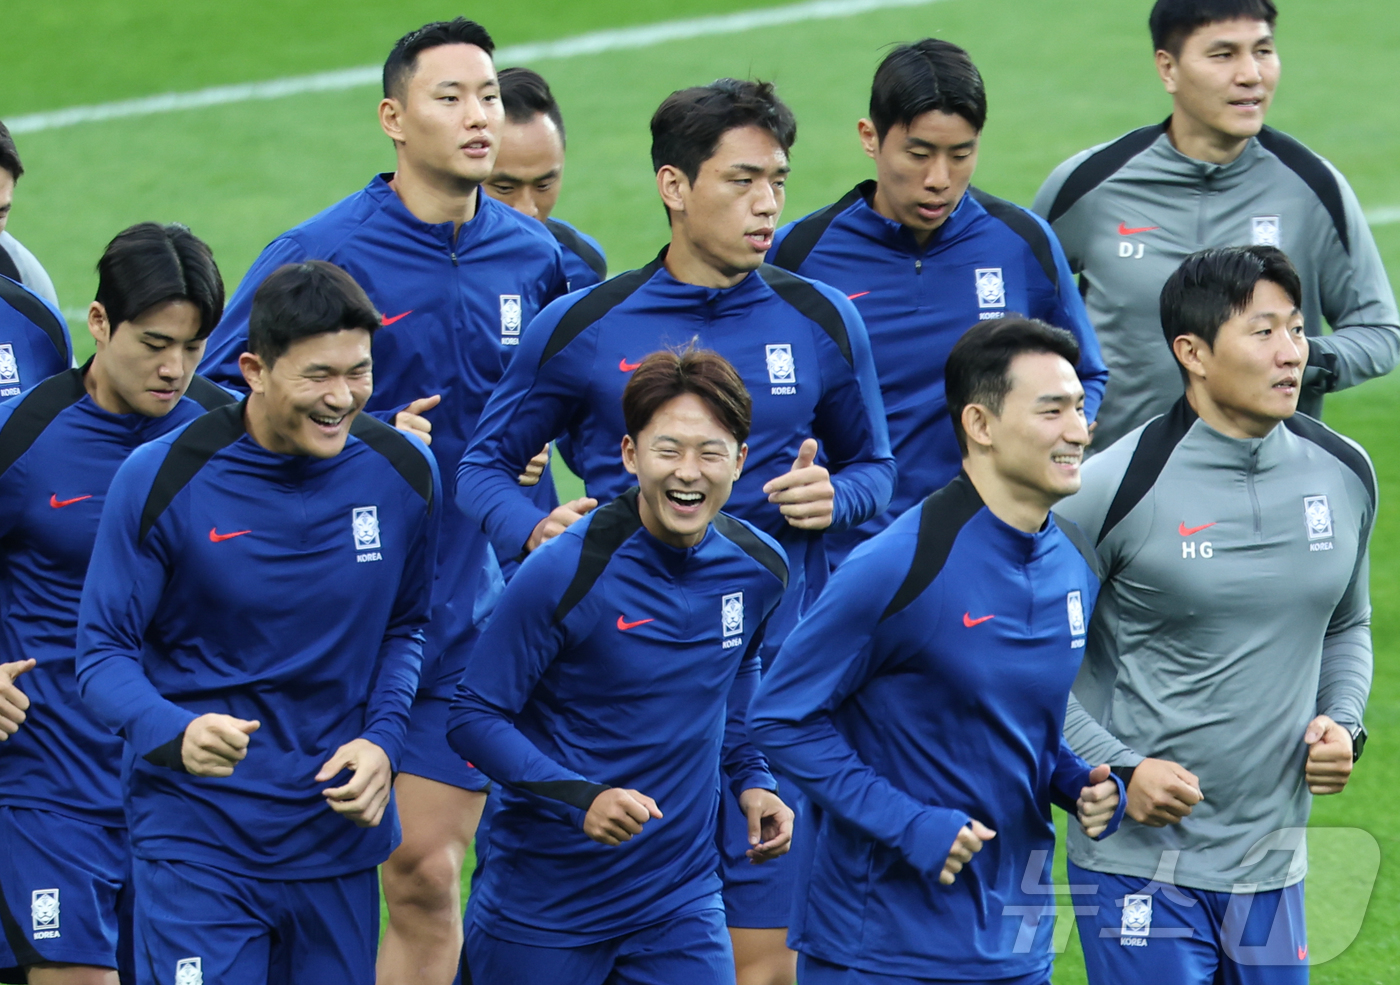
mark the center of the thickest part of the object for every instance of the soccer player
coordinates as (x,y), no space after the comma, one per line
(720,153)
(457,276)
(923,255)
(16,262)
(1128,212)
(920,701)
(1224,717)
(529,170)
(65,866)
(608,689)
(252,627)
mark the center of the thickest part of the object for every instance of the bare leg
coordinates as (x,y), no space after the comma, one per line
(53,973)
(761,956)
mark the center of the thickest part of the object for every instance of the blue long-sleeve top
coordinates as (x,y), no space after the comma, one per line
(58,453)
(585,263)
(453,305)
(927,686)
(989,259)
(283,588)
(800,348)
(34,339)
(614,660)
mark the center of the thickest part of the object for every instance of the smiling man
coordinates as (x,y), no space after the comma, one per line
(1213,175)
(1224,717)
(253,629)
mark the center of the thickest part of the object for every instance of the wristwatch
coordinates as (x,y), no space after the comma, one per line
(1358,740)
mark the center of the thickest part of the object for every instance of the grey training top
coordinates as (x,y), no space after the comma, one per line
(1234,609)
(1130,211)
(31,272)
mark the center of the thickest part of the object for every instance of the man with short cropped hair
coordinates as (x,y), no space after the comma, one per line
(16,262)
(252,627)
(1213,175)
(1229,661)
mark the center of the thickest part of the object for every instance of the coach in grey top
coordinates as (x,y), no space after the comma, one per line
(1128,212)
(16,262)
(1229,656)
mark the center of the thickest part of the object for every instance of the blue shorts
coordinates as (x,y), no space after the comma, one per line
(1135,930)
(689,950)
(755,896)
(425,749)
(197,923)
(815,971)
(65,890)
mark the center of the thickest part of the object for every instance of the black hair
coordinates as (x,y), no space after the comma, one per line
(923,77)
(663,376)
(1212,286)
(689,124)
(9,156)
(148,264)
(403,60)
(978,370)
(1173,21)
(299,300)
(525,95)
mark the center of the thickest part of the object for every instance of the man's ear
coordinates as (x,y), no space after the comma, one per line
(98,326)
(1189,350)
(629,454)
(977,426)
(739,462)
(672,185)
(869,139)
(252,368)
(1166,70)
(391,119)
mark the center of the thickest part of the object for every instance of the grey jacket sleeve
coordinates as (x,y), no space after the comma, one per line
(1359,303)
(1068,233)
(1344,682)
(31,272)
(1094,743)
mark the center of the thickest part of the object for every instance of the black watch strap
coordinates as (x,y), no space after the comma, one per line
(1124,773)
(1358,740)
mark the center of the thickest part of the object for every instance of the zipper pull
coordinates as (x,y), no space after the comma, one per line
(454,259)
(918,266)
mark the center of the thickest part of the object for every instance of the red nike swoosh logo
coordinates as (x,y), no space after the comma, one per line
(852,297)
(624,625)
(627,367)
(1186,531)
(969,622)
(216,537)
(1124,230)
(389,321)
(1303,953)
(57,503)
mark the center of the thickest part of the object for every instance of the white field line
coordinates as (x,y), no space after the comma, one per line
(596,42)
(1384,216)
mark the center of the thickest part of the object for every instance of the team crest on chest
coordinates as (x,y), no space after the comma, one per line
(43,912)
(189,971)
(782,368)
(364,527)
(731,609)
(991,288)
(1137,916)
(1319,517)
(1074,604)
(511,317)
(1266,230)
(9,365)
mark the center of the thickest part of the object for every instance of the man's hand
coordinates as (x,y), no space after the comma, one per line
(13,701)
(535,469)
(560,519)
(410,419)
(1329,756)
(1162,792)
(365,796)
(1097,802)
(770,824)
(215,744)
(967,844)
(804,496)
(617,815)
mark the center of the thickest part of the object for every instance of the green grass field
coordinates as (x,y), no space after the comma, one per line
(1060,76)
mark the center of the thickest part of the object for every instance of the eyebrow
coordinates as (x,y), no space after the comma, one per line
(1271,315)
(920,142)
(756,168)
(504,176)
(324,368)
(1059,398)
(708,441)
(158,336)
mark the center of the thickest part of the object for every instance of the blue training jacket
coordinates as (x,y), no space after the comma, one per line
(453,311)
(989,259)
(34,339)
(927,686)
(585,263)
(614,660)
(58,453)
(283,588)
(800,348)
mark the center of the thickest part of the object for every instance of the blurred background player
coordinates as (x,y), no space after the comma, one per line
(607,699)
(65,862)
(1213,175)
(920,701)
(16,262)
(720,153)
(253,629)
(457,276)
(1229,663)
(924,255)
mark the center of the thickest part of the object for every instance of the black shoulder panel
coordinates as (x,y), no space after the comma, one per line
(796,245)
(1155,445)
(577,245)
(204,438)
(610,527)
(36,411)
(941,518)
(402,454)
(7,266)
(36,311)
(1098,168)
(1023,224)
(208,395)
(597,303)
(1331,442)
(811,303)
(1080,540)
(1315,174)
(752,545)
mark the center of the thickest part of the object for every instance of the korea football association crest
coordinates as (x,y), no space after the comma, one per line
(43,913)
(511,318)
(364,527)
(1074,603)
(189,971)
(1137,916)
(1266,230)
(1319,517)
(782,368)
(991,288)
(9,365)
(731,609)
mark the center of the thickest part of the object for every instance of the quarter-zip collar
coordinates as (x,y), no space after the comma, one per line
(899,237)
(440,234)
